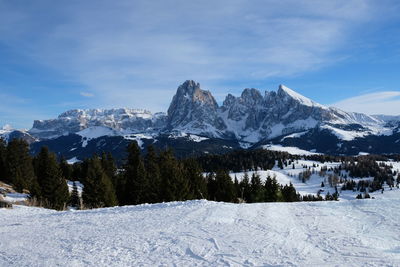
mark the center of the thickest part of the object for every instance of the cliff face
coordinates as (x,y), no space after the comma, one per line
(250,117)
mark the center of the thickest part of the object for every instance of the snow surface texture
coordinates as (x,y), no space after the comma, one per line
(313,185)
(16,197)
(302,99)
(290,149)
(349,232)
(73,160)
(202,233)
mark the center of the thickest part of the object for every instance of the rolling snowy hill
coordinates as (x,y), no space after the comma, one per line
(202,233)
(348,232)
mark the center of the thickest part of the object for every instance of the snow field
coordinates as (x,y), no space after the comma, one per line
(313,185)
(203,233)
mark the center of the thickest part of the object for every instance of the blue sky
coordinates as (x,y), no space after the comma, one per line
(60,55)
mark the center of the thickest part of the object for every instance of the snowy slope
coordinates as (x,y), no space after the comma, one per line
(300,98)
(202,233)
(312,186)
(289,149)
(5,131)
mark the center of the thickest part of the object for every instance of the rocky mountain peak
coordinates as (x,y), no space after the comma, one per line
(250,117)
(190,91)
(251,97)
(290,95)
(188,88)
(194,106)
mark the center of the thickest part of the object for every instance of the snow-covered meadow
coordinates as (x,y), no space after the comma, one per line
(313,185)
(348,232)
(203,233)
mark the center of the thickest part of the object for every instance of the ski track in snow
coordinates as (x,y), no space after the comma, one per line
(203,233)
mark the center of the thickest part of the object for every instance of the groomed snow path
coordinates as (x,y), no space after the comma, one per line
(202,233)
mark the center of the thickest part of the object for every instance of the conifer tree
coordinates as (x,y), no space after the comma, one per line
(19,168)
(108,164)
(18,181)
(136,182)
(3,152)
(66,169)
(174,186)
(245,188)
(75,199)
(289,193)
(98,190)
(53,187)
(280,163)
(211,186)
(236,185)
(153,175)
(224,187)
(257,189)
(271,190)
(197,183)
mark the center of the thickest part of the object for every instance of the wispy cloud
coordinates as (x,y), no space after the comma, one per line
(120,49)
(387,103)
(86,94)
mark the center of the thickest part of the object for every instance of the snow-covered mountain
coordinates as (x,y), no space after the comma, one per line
(122,119)
(7,133)
(250,117)
(253,119)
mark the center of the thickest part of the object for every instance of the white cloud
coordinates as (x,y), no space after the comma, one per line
(123,50)
(86,94)
(387,103)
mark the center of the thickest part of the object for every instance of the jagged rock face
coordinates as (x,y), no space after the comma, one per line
(195,109)
(251,117)
(247,104)
(73,121)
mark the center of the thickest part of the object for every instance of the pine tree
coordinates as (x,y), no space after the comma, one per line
(174,186)
(224,187)
(3,153)
(18,181)
(289,193)
(19,168)
(108,164)
(271,190)
(136,183)
(197,183)
(98,190)
(257,189)
(238,192)
(153,175)
(211,186)
(245,188)
(66,169)
(53,187)
(280,164)
(75,199)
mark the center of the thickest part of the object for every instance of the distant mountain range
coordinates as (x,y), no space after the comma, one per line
(196,124)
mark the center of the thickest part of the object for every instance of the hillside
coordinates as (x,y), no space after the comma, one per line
(202,233)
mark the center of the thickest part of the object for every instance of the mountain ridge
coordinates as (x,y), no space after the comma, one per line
(251,119)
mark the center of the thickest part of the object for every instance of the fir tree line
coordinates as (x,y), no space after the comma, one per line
(159,176)
(40,175)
